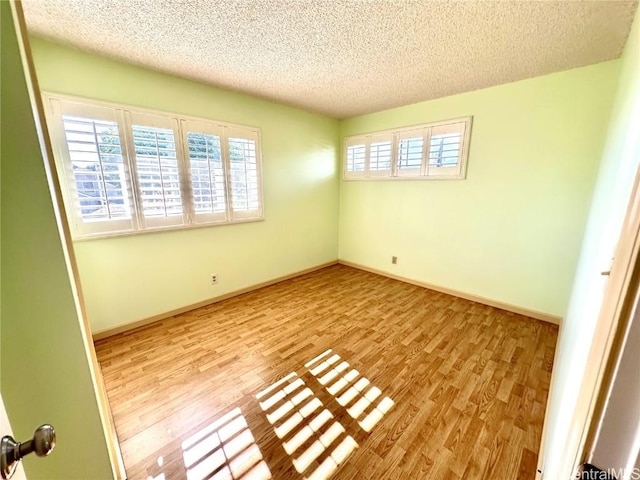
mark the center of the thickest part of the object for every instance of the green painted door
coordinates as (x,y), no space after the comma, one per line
(44,365)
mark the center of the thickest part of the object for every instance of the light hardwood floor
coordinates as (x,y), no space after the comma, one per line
(418,384)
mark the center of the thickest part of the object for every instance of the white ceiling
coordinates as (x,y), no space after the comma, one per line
(342,57)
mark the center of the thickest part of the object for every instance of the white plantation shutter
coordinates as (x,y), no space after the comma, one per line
(203,145)
(96,155)
(356,157)
(445,149)
(380,154)
(160,194)
(243,173)
(411,153)
(96,173)
(429,151)
(124,171)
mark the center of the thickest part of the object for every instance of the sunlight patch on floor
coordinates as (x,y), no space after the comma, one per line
(360,398)
(224,450)
(317,443)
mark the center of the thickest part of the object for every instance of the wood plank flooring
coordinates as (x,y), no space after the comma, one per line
(417,385)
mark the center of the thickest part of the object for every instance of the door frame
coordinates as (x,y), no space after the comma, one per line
(613,320)
(615,317)
(108,426)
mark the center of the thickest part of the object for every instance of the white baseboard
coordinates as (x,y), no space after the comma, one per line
(100,334)
(545,317)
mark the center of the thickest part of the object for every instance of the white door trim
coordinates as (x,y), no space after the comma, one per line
(618,293)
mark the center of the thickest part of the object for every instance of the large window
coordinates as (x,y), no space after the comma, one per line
(434,150)
(125,170)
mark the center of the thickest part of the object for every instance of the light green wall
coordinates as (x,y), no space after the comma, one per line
(512,230)
(45,375)
(613,188)
(534,152)
(132,278)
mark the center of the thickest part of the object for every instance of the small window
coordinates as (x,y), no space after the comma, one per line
(125,171)
(437,150)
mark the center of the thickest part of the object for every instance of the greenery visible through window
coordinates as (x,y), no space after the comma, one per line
(181,172)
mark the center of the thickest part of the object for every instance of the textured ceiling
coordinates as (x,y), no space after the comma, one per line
(342,58)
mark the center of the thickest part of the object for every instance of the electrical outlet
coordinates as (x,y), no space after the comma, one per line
(394,260)
(214,278)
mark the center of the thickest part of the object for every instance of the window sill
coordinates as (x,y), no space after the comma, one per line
(148,231)
(415,177)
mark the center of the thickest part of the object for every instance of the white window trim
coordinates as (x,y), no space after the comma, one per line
(138,225)
(458,172)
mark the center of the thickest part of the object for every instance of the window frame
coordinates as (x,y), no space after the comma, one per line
(457,172)
(58,105)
